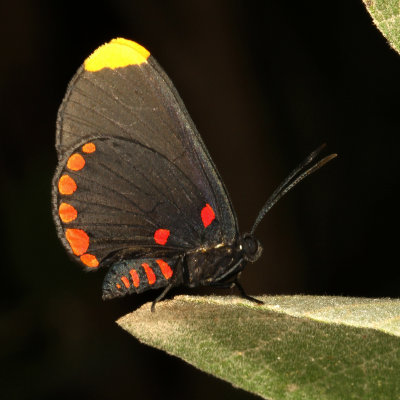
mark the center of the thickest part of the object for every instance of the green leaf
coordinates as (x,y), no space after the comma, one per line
(386,16)
(292,347)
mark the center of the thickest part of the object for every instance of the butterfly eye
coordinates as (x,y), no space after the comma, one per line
(250,245)
(251,248)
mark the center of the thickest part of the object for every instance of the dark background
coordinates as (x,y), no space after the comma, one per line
(266,83)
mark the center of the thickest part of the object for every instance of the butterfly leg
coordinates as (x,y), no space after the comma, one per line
(231,285)
(160,297)
(244,294)
(223,285)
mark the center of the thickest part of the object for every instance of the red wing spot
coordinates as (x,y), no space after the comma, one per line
(90,260)
(67,213)
(89,148)
(165,268)
(66,185)
(151,277)
(135,277)
(125,281)
(118,286)
(161,236)
(76,162)
(78,240)
(207,215)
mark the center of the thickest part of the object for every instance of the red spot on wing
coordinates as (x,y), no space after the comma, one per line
(151,277)
(89,148)
(67,213)
(76,162)
(78,240)
(161,236)
(135,277)
(66,185)
(165,268)
(125,281)
(90,260)
(207,215)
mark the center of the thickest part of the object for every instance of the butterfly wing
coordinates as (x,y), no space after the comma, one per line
(134,176)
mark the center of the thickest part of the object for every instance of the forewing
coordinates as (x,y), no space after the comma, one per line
(121,92)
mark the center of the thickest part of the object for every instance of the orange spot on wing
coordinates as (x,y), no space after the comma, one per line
(125,281)
(161,236)
(66,185)
(207,215)
(78,240)
(135,277)
(151,277)
(165,268)
(76,162)
(67,213)
(89,148)
(90,260)
(118,286)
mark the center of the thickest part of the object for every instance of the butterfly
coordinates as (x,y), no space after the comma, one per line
(136,190)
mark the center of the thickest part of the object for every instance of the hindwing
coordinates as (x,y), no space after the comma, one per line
(124,196)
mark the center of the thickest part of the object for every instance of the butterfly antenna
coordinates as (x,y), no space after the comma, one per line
(295,177)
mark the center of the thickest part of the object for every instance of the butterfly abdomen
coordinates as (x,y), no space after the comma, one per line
(138,275)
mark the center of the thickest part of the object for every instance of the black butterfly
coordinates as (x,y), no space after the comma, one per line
(136,189)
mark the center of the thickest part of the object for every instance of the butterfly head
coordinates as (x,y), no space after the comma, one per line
(250,247)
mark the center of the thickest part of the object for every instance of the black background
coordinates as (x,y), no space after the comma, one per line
(266,83)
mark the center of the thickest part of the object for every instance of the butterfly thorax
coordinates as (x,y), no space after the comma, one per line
(207,265)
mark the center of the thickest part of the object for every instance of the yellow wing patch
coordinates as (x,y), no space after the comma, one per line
(118,53)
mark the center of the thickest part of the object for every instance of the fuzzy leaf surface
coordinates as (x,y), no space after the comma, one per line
(386,16)
(292,347)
